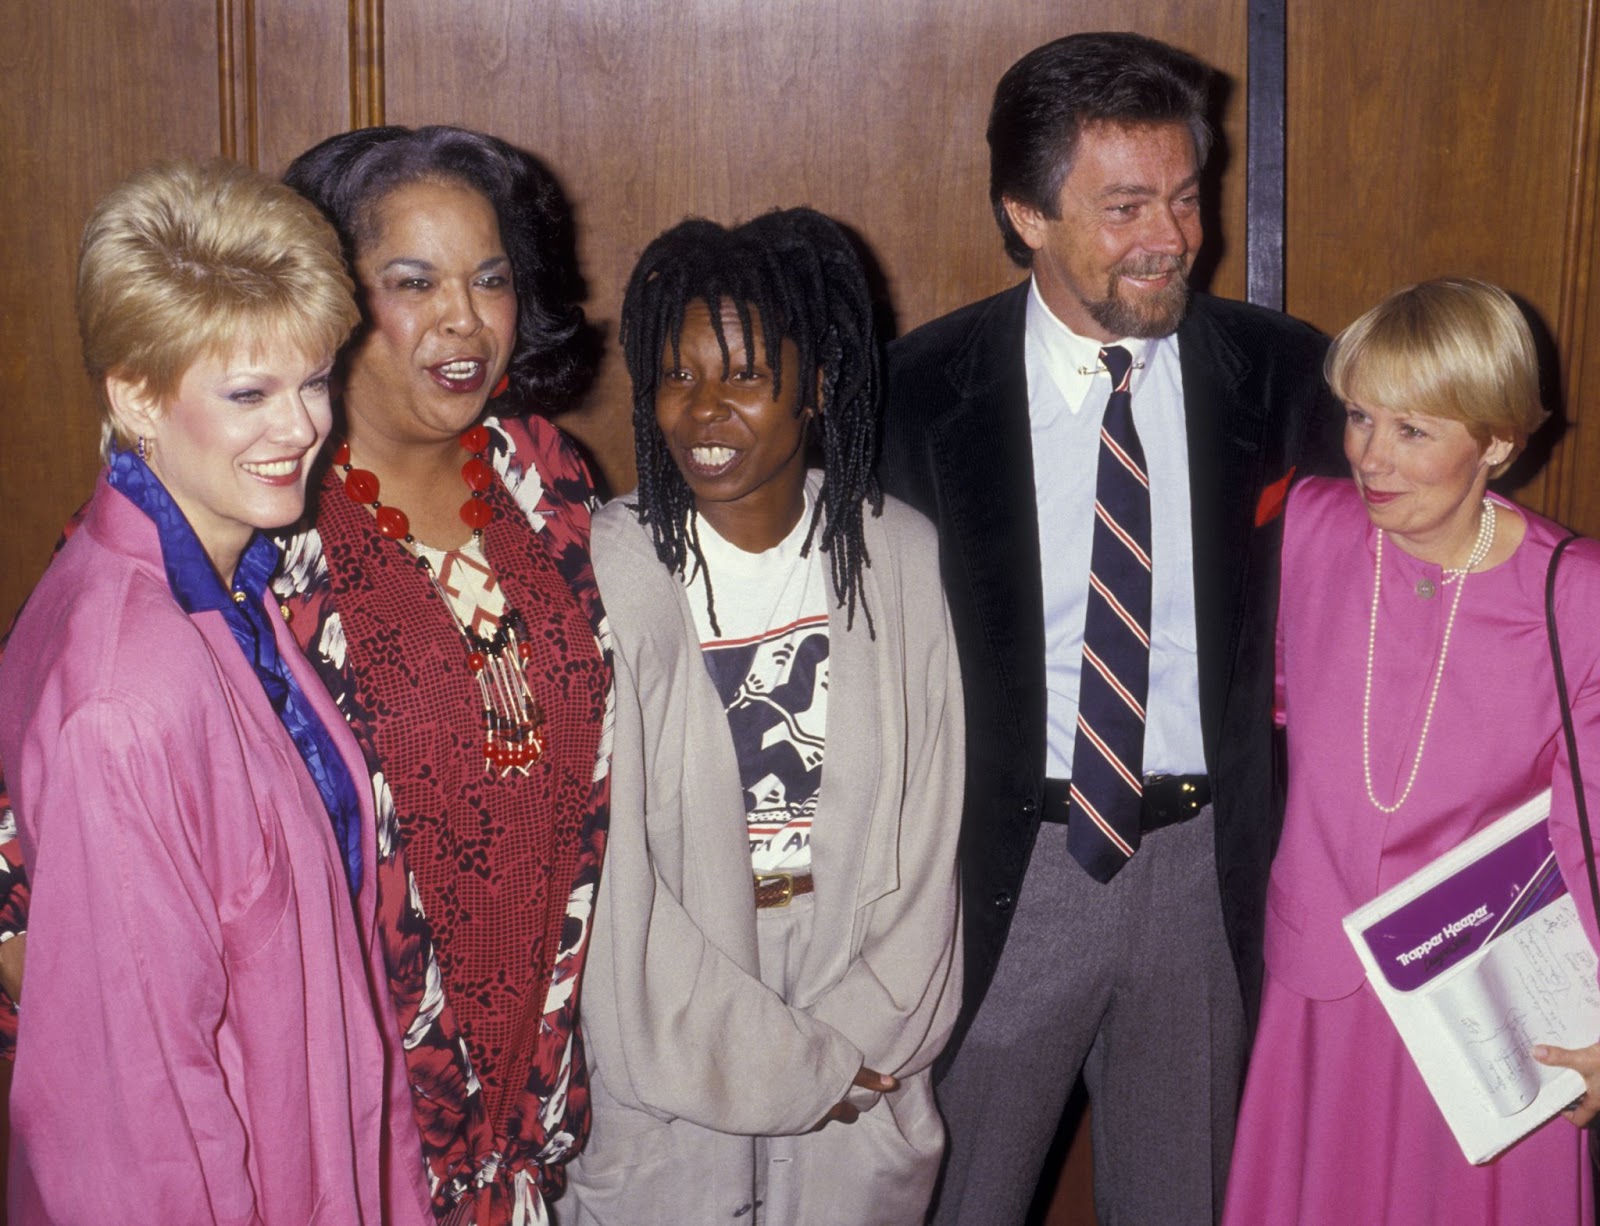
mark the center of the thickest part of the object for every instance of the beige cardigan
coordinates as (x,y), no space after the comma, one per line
(691,1056)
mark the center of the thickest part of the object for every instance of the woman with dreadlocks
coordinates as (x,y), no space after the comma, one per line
(774,958)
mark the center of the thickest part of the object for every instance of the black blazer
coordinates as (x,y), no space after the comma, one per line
(957,447)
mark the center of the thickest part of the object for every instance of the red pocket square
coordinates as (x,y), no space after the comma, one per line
(1272,500)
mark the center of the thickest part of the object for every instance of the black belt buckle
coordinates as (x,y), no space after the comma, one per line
(1170,799)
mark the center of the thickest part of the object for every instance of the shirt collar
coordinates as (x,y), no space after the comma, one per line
(1068,346)
(194,581)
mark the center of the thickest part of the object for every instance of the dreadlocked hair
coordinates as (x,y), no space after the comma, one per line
(794,272)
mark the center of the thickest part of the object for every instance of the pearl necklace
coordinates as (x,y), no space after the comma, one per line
(1480,550)
(1480,547)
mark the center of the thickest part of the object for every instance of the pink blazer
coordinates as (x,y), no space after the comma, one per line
(205,1035)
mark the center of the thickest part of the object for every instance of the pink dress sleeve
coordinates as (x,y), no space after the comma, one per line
(121,1109)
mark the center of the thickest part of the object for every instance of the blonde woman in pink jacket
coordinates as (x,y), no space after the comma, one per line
(202,1041)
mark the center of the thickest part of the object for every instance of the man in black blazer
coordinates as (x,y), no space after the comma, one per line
(992,430)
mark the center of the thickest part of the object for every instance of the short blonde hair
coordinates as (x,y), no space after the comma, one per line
(188,259)
(1454,347)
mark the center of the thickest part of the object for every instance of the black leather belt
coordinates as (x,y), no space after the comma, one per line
(1168,800)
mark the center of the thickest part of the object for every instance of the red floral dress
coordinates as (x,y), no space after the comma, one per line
(485,883)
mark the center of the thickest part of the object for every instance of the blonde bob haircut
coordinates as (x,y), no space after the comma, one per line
(186,260)
(1456,348)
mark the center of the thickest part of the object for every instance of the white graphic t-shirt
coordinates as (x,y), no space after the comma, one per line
(769,664)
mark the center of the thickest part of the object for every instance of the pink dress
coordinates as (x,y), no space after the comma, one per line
(1336,1125)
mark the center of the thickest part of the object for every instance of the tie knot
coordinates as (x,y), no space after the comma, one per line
(1119,362)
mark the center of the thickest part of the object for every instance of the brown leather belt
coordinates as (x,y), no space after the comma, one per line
(1167,800)
(776,889)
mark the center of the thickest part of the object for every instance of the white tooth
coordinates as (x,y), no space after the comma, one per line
(280,468)
(712,457)
(459,370)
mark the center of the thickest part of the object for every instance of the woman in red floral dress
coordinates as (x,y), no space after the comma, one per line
(445,596)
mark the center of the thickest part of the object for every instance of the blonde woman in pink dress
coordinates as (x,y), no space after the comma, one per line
(1420,705)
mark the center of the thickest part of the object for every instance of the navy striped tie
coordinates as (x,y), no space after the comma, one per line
(1108,754)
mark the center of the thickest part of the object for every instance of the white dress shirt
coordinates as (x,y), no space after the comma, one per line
(1065,408)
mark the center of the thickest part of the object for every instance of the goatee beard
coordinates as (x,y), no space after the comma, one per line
(1159,314)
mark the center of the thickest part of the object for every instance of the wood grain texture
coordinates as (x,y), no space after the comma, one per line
(90,93)
(364,69)
(650,110)
(303,61)
(1426,138)
(236,82)
(1572,492)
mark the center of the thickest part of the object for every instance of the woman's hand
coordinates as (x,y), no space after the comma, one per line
(1586,1060)
(844,1111)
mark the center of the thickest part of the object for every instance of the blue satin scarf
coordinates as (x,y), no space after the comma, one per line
(198,589)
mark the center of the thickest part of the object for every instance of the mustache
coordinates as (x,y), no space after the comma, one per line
(1150,266)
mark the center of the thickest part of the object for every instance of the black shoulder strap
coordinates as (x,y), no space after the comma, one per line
(1566,720)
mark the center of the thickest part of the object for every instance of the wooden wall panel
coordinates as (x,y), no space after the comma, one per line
(873,113)
(647,111)
(1574,492)
(82,108)
(312,72)
(90,92)
(1404,166)
(1477,157)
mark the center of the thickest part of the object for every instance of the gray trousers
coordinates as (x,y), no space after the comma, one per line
(1132,983)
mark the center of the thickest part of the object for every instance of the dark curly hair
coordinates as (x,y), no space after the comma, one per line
(347,176)
(795,271)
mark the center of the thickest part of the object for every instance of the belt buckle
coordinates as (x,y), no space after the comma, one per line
(1170,798)
(1188,798)
(784,880)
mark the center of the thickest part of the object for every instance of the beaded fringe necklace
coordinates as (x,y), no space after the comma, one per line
(513,719)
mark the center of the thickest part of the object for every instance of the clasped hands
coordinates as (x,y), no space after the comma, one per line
(846,1112)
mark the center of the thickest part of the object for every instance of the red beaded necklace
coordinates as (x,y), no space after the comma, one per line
(513,719)
(361,485)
